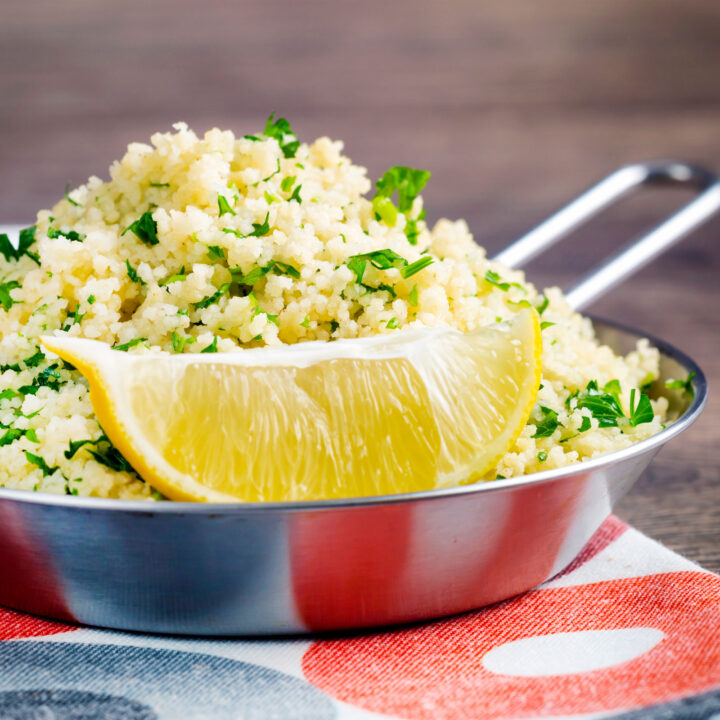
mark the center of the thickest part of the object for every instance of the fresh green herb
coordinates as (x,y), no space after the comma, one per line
(26,239)
(306,322)
(546,324)
(159,185)
(224,207)
(68,198)
(10,436)
(521,303)
(685,386)
(642,412)
(35,359)
(542,307)
(272,174)
(270,199)
(280,130)
(155,495)
(31,435)
(256,273)
(75,317)
(5,299)
(542,456)
(296,195)
(180,341)
(130,344)
(586,424)
(334,325)
(212,299)
(380,259)
(144,228)
(392,323)
(212,347)
(14,366)
(132,274)
(500,477)
(72,235)
(110,456)
(259,229)
(40,462)
(494,279)
(604,406)
(412,231)
(548,424)
(287,183)
(8,394)
(416,267)
(91,299)
(413,296)
(408,182)
(178,277)
(252,138)
(75,445)
(385,210)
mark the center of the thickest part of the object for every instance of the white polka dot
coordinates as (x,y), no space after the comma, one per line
(570,652)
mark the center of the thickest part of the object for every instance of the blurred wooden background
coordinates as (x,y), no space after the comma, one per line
(514,107)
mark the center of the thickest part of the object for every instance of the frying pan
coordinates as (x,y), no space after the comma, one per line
(299,567)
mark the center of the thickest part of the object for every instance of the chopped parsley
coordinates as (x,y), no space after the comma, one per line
(177,277)
(215,252)
(72,235)
(494,279)
(546,324)
(8,394)
(586,424)
(287,183)
(132,273)
(252,138)
(548,424)
(603,404)
(91,299)
(272,174)
(416,267)
(110,456)
(684,386)
(40,462)
(542,456)
(392,323)
(180,341)
(130,344)
(35,359)
(5,300)
(224,206)
(68,198)
(10,436)
(282,132)
(542,307)
(26,238)
(259,229)
(306,322)
(212,299)
(296,195)
(212,347)
(144,228)
(159,185)
(641,412)
(279,268)
(31,435)
(408,183)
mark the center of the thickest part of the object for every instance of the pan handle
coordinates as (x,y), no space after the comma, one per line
(642,251)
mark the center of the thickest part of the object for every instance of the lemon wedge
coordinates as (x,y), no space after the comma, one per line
(408,411)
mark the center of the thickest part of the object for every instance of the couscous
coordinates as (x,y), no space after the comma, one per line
(151,261)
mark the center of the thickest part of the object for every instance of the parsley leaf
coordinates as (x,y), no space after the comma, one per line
(40,462)
(296,195)
(642,412)
(110,456)
(287,183)
(212,299)
(392,323)
(604,406)
(542,456)
(178,277)
(494,279)
(416,267)
(132,274)
(413,296)
(215,252)
(408,182)
(259,229)
(546,324)
(35,359)
(279,268)
(684,386)
(224,206)
(25,240)
(180,341)
(280,130)
(53,233)
(5,300)
(144,228)
(212,347)
(130,344)
(549,423)
(380,259)
(11,435)
(68,198)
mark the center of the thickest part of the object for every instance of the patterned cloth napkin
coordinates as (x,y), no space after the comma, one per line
(630,629)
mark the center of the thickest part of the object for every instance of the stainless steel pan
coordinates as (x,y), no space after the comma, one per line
(314,566)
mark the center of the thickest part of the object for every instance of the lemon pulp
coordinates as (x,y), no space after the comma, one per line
(411,411)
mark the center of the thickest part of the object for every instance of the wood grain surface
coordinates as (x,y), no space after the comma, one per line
(514,107)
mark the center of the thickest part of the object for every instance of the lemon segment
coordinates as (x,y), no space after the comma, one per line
(400,412)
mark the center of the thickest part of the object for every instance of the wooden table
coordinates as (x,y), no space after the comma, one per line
(515,107)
